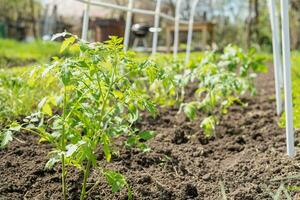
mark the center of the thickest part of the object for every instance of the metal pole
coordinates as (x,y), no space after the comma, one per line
(287,77)
(156,25)
(128,25)
(85,24)
(190,31)
(276,55)
(276,23)
(176,31)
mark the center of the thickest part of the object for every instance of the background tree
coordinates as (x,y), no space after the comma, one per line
(20,17)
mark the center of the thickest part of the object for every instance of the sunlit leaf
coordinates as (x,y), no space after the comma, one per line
(208,125)
(116,180)
(6,137)
(15,126)
(147,135)
(106,148)
(66,43)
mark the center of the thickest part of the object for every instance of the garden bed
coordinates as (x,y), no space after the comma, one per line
(248,153)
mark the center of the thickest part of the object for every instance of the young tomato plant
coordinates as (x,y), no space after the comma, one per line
(99,103)
(171,90)
(222,79)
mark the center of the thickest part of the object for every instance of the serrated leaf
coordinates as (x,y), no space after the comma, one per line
(66,43)
(144,148)
(75,47)
(42,102)
(46,109)
(118,94)
(51,162)
(150,107)
(6,137)
(133,113)
(190,111)
(132,140)
(208,125)
(71,148)
(15,126)
(147,135)
(116,180)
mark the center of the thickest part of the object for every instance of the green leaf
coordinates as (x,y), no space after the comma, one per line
(150,106)
(44,106)
(105,141)
(132,141)
(147,135)
(15,126)
(144,148)
(46,109)
(65,74)
(208,125)
(6,137)
(133,113)
(118,94)
(71,149)
(51,162)
(42,102)
(190,110)
(116,180)
(66,43)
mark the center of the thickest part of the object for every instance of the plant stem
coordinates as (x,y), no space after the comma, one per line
(63,145)
(63,177)
(86,175)
(95,185)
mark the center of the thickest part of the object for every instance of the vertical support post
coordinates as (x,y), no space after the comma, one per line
(156,25)
(276,54)
(85,23)
(287,77)
(176,29)
(128,25)
(190,31)
(278,42)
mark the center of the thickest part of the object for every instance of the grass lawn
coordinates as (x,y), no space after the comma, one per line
(295,91)
(14,53)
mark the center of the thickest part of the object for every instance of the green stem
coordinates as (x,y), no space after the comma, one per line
(63,145)
(31,131)
(94,186)
(111,83)
(63,177)
(86,175)
(105,98)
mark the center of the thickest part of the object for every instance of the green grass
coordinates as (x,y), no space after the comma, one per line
(14,53)
(296,87)
(295,91)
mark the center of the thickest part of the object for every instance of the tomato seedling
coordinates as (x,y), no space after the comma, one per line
(100,102)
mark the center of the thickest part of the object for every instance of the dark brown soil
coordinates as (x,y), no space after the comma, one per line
(183,164)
